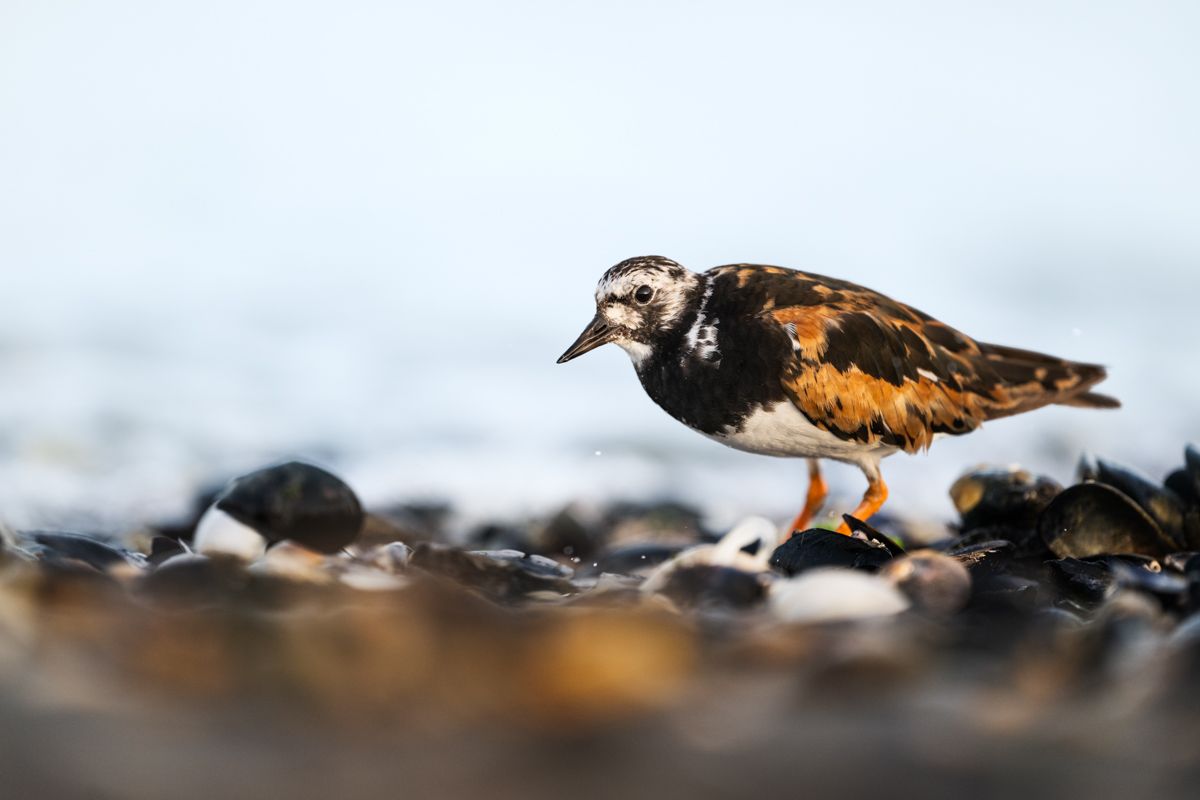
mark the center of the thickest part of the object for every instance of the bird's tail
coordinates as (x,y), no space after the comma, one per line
(1027,380)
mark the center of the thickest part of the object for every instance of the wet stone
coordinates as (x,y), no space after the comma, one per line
(296,501)
(821,548)
(496,536)
(188,581)
(162,548)
(62,547)
(714,586)
(1094,519)
(632,560)
(503,575)
(564,534)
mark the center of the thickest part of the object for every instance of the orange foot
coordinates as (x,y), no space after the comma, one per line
(873,500)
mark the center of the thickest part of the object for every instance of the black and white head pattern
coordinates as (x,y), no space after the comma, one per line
(642,297)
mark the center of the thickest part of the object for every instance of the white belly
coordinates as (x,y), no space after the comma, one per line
(781,430)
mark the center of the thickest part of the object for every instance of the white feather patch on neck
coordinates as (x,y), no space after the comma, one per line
(638,351)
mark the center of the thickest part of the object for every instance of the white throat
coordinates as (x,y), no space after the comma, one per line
(638,351)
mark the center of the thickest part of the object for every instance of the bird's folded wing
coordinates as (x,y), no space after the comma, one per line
(869,369)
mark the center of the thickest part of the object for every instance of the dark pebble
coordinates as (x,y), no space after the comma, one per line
(296,501)
(83,549)
(189,581)
(162,548)
(564,535)
(633,559)
(710,586)
(502,575)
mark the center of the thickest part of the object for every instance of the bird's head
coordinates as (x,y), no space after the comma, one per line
(637,302)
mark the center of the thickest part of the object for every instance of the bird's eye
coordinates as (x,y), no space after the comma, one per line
(643,294)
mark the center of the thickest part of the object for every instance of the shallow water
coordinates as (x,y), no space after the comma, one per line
(365,242)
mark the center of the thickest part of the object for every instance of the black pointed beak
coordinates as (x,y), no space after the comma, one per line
(597,332)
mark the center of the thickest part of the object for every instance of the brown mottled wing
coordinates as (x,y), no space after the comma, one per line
(870,369)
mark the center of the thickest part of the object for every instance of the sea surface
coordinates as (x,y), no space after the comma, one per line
(267,231)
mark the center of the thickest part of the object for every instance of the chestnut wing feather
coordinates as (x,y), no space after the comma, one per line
(867,368)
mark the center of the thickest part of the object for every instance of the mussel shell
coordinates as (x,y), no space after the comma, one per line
(856,525)
(1087,469)
(935,583)
(1180,482)
(1191,462)
(1086,581)
(1092,519)
(296,501)
(1162,504)
(821,548)
(1026,543)
(1001,496)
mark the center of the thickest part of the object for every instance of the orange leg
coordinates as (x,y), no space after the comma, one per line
(873,500)
(817,491)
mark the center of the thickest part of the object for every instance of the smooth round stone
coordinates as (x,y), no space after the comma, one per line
(632,560)
(1092,519)
(54,546)
(502,574)
(712,585)
(191,580)
(835,595)
(296,501)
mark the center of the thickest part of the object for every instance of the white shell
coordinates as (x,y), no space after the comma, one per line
(833,595)
(220,534)
(725,553)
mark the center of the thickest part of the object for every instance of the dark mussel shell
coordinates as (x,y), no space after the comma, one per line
(1162,504)
(1092,519)
(1180,482)
(861,528)
(993,496)
(935,583)
(822,548)
(1191,462)
(296,501)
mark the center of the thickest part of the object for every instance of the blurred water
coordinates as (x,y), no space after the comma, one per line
(361,233)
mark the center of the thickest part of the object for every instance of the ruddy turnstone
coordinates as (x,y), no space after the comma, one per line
(787,363)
